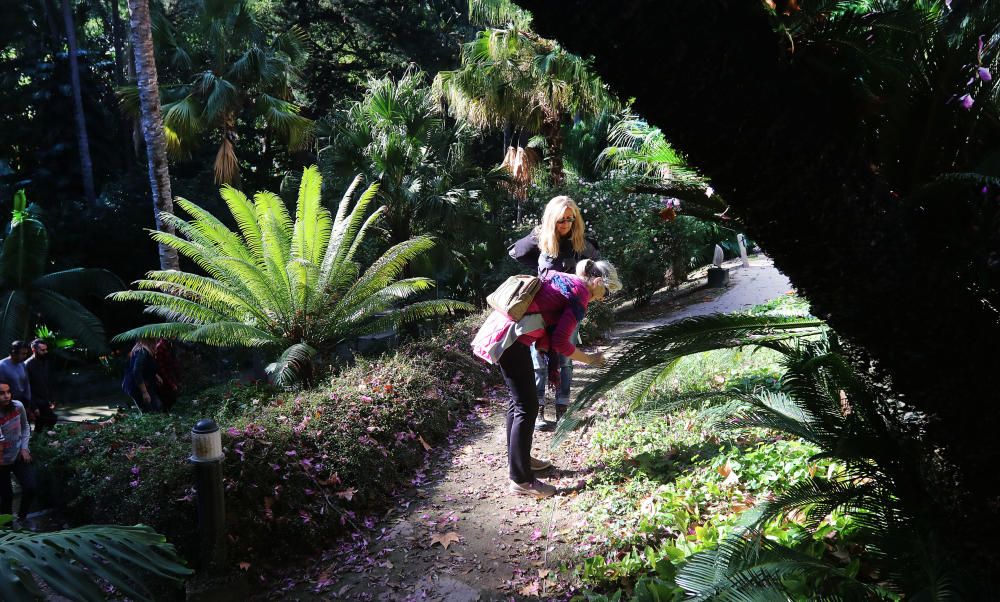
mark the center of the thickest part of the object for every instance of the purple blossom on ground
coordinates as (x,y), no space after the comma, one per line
(966,101)
(984,74)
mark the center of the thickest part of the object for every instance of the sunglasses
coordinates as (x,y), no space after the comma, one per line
(566,220)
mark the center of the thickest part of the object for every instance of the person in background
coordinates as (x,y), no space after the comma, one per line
(13,372)
(41,393)
(556,245)
(168,372)
(553,315)
(140,381)
(15,459)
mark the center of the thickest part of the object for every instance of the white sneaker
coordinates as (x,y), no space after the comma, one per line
(539,464)
(536,489)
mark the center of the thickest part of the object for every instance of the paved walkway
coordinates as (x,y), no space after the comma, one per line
(747,287)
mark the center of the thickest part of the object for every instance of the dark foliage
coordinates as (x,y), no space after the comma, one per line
(833,138)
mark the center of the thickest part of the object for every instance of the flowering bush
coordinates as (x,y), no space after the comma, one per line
(298,467)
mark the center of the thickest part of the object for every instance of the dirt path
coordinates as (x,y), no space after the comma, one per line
(457,535)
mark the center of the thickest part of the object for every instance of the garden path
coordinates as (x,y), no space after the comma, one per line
(456,535)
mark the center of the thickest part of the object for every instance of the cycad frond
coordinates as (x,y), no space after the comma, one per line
(294,365)
(282,283)
(653,352)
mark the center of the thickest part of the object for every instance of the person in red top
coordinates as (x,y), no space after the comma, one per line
(561,302)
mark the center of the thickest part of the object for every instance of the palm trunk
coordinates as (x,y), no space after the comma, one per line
(152,123)
(552,131)
(83,140)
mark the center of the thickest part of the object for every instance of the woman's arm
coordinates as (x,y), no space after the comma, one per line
(22,443)
(560,340)
(526,251)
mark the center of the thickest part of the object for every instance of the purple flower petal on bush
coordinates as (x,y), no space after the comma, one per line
(134,483)
(291,452)
(984,74)
(966,101)
(233,432)
(135,470)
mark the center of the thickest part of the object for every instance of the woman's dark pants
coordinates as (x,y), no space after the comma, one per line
(25,475)
(519,374)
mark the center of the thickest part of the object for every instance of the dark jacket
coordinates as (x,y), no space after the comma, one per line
(38,376)
(526,251)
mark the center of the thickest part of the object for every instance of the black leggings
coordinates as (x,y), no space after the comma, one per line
(519,374)
(25,475)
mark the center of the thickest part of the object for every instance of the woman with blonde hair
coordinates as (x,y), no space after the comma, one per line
(556,245)
(552,317)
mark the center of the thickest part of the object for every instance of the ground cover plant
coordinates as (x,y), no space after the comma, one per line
(300,467)
(839,497)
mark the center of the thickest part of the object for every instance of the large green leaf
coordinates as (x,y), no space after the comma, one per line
(71,319)
(25,251)
(70,562)
(79,282)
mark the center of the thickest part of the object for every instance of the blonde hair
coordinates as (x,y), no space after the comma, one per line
(548,237)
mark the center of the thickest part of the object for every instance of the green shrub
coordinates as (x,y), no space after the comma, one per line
(299,467)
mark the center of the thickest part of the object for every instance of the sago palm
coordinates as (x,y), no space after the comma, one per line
(29,295)
(821,399)
(291,285)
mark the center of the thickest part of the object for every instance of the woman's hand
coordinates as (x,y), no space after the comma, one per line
(26,455)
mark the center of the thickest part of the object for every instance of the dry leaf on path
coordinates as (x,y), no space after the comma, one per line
(347,494)
(427,446)
(445,539)
(529,590)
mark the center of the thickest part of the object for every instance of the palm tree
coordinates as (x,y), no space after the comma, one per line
(27,292)
(233,77)
(290,286)
(151,121)
(83,140)
(71,562)
(396,135)
(514,79)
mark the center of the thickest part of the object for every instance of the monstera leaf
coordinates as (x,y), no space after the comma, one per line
(71,563)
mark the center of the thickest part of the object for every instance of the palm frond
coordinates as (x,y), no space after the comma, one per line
(294,365)
(71,562)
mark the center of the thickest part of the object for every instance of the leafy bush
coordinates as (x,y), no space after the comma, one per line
(299,467)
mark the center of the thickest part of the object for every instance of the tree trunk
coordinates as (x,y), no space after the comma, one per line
(552,130)
(82,139)
(152,123)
